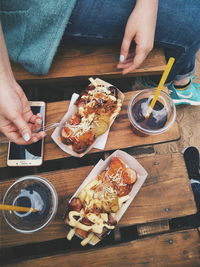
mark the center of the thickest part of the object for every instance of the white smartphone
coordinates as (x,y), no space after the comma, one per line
(28,155)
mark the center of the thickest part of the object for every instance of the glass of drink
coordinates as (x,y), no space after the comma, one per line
(161,118)
(32,192)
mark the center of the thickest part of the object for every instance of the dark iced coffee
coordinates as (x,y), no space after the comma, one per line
(161,117)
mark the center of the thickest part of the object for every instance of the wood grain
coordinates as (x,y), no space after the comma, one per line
(165,194)
(88,60)
(120,136)
(171,249)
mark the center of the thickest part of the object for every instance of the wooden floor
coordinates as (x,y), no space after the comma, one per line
(188,118)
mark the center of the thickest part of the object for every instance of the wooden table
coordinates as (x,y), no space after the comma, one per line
(166,194)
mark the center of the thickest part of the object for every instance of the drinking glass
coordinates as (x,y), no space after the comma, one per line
(34,192)
(161,118)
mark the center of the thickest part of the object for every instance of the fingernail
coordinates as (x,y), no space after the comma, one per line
(121,58)
(26,137)
(39,115)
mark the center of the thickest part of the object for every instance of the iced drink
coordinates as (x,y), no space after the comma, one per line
(160,119)
(32,192)
(33,196)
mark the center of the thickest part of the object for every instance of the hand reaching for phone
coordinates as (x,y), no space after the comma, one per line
(16,118)
(140,28)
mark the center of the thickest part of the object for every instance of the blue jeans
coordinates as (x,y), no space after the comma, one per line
(177,30)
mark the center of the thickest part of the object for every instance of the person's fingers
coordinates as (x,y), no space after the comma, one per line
(30,117)
(10,127)
(35,119)
(125,47)
(17,138)
(23,127)
(140,55)
(34,124)
(36,137)
(125,63)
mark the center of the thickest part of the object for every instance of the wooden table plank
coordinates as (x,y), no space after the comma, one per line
(120,136)
(171,249)
(165,194)
(91,60)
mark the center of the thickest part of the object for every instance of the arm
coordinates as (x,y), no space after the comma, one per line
(140,27)
(16,118)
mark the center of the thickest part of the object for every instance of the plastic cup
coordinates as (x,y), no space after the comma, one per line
(162,116)
(34,192)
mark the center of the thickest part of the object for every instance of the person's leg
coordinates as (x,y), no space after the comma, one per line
(100,22)
(177,31)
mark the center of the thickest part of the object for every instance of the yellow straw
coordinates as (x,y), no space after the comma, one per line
(16,208)
(160,86)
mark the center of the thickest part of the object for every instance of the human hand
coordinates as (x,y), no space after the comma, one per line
(140,28)
(16,118)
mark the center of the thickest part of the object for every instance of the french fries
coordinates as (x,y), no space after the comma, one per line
(93,211)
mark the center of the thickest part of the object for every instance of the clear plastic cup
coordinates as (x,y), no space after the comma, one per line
(34,192)
(162,116)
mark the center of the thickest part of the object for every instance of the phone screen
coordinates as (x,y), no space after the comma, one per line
(28,152)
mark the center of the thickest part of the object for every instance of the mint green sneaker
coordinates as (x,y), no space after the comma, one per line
(189,95)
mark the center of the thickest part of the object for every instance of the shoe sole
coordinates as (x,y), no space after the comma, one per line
(186,102)
(182,151)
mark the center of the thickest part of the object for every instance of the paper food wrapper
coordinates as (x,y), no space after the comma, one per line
(132,163)
(99,143)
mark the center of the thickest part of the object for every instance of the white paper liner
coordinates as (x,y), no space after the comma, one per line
(132,163)
(99,143)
